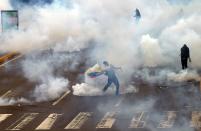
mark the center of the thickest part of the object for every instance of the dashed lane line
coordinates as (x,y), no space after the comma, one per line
(9,94)
(107,121)
(6,94)
(79,120)
(17,57)
(22,121)
(48,122)
(62,97)
(169,120)
(4,117)
(119,102)
(139,120)
(196,119)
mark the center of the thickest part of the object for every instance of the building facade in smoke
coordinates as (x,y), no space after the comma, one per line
(19,3)
(9,20)
(185,2)
(32,1)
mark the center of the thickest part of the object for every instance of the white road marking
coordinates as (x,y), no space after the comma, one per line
(188,106)
(6,94)
(48,122)
(118,102)
(4,116)
(196,119)
(22,121)
(107,121)
(17,57)
(63,96)
(79,120)
(138,120)
(168,121)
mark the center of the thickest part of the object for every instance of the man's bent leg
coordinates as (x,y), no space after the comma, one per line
(116,82)
(109,82)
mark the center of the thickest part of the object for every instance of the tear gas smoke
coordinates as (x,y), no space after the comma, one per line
(154,42)
(167,75)
(42,69)
(94,86)
(12,101)
(50,89)
(85,21)
(5,5)
(185,75)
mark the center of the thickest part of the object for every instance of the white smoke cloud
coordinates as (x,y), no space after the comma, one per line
(151,49)
(109,25)
(167,75)
(185,75)
(144,44)
(13,101)
(5,5)
(64,27)
(94,86)
(43,27)
(50,89)
(42,69)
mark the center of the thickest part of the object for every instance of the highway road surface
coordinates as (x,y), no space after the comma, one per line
(173,107)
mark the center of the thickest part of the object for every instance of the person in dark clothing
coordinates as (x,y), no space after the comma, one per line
(137,15)
(185,55)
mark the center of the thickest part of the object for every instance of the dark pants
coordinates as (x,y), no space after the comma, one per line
(184,63)
(109,82)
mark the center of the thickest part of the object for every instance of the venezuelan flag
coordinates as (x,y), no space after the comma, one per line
(94,71)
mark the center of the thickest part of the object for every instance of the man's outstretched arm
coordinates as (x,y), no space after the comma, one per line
(116,68)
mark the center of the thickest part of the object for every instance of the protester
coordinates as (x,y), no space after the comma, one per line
(112,78)
(185,55)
